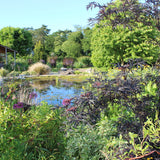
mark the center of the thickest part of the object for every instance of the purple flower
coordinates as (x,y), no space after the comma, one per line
(32,95)
(66,102)
(18,105)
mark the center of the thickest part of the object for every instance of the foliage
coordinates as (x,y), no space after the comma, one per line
(73,49)
(3,72)
(83,142)
(17,39)
(20,64)
(127,13)
(49,44)
(143,146)
(68,62)
(35,134)
(116,117)
(13,73)
(38,51)
(86,41)
(73,46)
(82,62)
(126,102)
(52,61)
(39,34)
(39,68)
(130,97)
(110,46)
(60,38)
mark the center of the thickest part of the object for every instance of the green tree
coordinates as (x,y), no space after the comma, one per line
(73,49)
(60,37)
(17,39)
(73,46)
(120,44)
(40,34)
(49,44)
(86,41)
(38,51)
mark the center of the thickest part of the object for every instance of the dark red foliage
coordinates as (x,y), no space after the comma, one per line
(68,62)
(53,61)
(149,10)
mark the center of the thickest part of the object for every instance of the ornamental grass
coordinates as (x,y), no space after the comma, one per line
(39,68)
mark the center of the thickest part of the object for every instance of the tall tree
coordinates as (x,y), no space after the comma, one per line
(38,51)
(86,41)
(17,39)
(110,46)
(40,34)
(73,46)
(60,37)
(49,44)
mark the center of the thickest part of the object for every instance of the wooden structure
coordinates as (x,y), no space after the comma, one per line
(3,55)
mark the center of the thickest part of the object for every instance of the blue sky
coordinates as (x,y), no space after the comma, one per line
(56,14)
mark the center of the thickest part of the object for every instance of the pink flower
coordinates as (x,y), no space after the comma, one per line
(66,102)
(18,105)
(32,95)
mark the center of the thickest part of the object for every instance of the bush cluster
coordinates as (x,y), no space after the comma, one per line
(82,62)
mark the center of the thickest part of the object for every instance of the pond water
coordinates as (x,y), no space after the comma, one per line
(51,91)
(54,91)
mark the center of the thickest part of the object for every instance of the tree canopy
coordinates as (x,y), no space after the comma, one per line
(125,29)
(17,39)
(117,45)
(73,46)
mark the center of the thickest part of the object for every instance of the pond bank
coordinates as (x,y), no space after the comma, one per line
(78,75)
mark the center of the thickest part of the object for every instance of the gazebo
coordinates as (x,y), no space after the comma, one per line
(3,55)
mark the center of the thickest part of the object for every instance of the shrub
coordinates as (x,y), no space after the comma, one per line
(84,143)
(39,68)
(68,62)
(83,62)
(110,46)
(35,134)
(3,72)
(78,64)
(52,61)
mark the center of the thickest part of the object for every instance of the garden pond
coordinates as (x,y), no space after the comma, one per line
(51,91)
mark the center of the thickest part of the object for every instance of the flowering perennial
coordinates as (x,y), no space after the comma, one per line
(18,105)
(66,102)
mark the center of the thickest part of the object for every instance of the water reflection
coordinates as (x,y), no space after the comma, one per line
(50,91)
(54,91)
